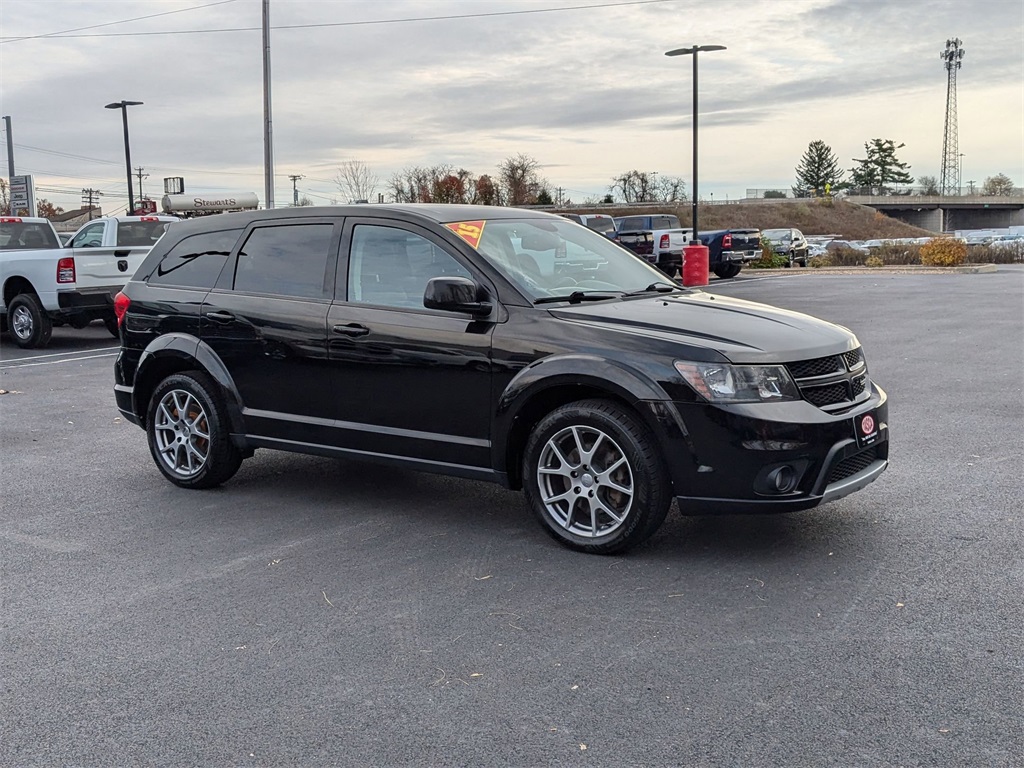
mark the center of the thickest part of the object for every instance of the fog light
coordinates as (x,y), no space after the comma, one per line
(782,479)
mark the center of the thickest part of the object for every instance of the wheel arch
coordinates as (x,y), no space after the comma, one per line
(177,353)
(15,285)
(553,382)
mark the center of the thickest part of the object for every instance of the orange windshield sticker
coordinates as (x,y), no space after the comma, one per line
(470,231)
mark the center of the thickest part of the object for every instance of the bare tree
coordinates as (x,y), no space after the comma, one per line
(636,186)
(5,197)
(671,189)
(518,179)
(356,181)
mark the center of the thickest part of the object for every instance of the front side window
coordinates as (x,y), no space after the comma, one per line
(196,261)
(391,267)
(288,260)
(90,237)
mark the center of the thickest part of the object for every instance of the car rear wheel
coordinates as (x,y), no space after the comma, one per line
(189,433)
(725,271)
(110,323)
(29,325)
(594,478)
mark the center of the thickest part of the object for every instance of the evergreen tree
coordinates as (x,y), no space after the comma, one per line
(880,169)
(818,169)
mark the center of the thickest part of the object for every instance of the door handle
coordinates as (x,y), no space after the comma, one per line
(352,329)
(123,252)
(220,317)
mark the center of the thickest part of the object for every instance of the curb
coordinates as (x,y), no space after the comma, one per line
(891,269)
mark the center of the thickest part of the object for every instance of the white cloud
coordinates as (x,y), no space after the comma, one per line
(587,92)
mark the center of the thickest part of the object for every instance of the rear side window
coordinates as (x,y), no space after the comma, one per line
(289,260)
(196,261)
(26,235)
(139,233)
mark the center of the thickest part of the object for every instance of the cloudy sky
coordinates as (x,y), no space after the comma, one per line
(583,86)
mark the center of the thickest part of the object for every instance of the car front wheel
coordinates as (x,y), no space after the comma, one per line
(189,432)
(594,478)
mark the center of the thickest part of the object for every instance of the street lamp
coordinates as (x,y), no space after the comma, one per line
(123,106)
(694,50)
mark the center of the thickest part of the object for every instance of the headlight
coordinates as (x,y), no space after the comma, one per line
(723,383)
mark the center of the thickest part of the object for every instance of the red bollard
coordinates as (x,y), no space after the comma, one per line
(695,265)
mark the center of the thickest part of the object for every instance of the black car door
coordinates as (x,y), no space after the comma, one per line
(409,381)
(266,320)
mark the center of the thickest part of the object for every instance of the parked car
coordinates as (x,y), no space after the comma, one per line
(490,343)
(599,222)
(851,245)
(790,243)
(730,249)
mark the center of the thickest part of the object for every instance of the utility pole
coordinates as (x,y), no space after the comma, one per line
(10,147)
(89,198)
(295,189)
(141,175)
(268,122)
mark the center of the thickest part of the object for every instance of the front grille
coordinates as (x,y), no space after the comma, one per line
(821,366)
(855,359)
(836,380)
(852,465)
(827,395)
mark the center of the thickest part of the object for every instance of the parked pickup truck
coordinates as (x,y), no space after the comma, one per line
(657,237)
(46,285)
(730,249)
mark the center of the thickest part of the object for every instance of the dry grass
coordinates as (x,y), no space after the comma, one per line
(812,217)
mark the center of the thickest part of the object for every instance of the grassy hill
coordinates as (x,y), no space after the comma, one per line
(812,217)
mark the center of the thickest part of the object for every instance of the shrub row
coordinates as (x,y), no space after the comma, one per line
(939,252)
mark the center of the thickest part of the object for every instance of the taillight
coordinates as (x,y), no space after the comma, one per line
(727,241)
(10,220)
(66,270)
(664,242)
(121,304)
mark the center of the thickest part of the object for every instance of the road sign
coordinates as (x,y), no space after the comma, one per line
(23,196)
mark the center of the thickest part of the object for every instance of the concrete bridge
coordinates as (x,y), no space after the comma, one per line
(946,214)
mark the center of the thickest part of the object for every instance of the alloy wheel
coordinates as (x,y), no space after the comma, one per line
(21,322)
(182,432)
(585,481)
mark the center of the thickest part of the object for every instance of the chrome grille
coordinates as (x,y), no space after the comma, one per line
(851,465)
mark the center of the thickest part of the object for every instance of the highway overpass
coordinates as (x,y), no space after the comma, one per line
(946,214)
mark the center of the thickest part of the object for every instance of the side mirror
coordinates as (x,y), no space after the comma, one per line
(456,294)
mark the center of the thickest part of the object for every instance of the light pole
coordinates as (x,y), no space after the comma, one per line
(123,106)
(693,50)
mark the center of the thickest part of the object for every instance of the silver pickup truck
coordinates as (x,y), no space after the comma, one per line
(45,284)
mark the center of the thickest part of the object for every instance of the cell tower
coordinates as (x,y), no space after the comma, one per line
(952,57)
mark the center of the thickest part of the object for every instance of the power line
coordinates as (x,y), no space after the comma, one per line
(452,17)
(111,23)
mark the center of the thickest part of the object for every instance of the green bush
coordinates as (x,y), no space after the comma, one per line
(943,252)
(824,260)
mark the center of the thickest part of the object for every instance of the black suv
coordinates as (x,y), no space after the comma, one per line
(489,343)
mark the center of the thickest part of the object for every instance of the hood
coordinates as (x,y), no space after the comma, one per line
(742,331)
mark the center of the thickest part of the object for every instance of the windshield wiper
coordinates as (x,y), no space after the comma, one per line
(577,296)
(658,287)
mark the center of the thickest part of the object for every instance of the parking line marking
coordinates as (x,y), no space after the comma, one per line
(55,362)
(58,354)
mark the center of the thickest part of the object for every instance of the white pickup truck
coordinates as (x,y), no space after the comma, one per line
(46,285)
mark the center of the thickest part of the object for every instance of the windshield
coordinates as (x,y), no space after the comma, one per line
(552,257)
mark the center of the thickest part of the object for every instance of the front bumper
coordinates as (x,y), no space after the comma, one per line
(722,458)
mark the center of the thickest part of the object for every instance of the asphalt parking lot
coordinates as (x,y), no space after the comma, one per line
(321,612)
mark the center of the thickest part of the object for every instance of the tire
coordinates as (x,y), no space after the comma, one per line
(29,325)
(110,323)
(195,451)
(606,511)
(725,271)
